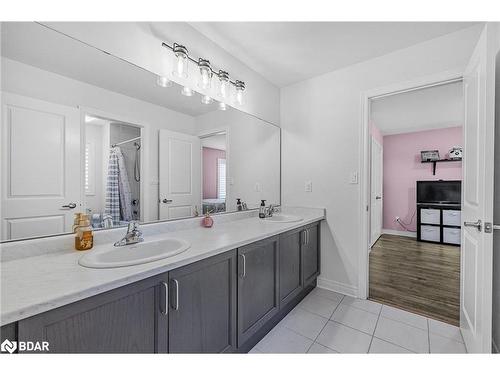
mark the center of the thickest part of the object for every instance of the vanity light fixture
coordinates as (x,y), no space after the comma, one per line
(224,83)
(222,106)
(186,91)
(180,60)
(205,74)
(163,81)
(240,87)
(205,99)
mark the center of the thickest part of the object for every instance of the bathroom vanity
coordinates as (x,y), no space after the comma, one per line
(224,301)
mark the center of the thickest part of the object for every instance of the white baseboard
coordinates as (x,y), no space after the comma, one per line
(335,286)
(399,233)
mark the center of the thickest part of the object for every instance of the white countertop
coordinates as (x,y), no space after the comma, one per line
(32,285)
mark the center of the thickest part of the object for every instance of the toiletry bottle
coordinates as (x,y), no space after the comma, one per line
(84,239)
(262,209)
(76,221)
(239,207)
(208,222)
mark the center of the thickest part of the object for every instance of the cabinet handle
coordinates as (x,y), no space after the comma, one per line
(176,285)
(165,306)
(304,237)
(307,236)
(244,265)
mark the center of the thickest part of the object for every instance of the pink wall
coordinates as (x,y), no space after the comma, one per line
(210,156)
(376,134)
(402,168)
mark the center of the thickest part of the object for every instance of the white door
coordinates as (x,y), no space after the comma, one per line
(477,244)
(180,175)
(377,161)
(40,167)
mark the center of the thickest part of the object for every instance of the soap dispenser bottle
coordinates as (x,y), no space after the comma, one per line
(239,206)
(262,209)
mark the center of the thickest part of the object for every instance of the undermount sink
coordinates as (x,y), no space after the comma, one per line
(281,218)
(110,256)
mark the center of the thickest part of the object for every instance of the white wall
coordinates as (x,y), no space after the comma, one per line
(252,156)
(140,44)
(321,129)
(26,80)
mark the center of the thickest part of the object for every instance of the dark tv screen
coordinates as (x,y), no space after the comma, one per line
(439,192)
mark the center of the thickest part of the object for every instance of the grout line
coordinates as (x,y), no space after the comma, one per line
(399,346)
(324,346)
(373,334)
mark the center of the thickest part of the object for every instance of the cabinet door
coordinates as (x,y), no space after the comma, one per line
(310,253)
(290,266)
(125,320)
(202,316)
(258,289)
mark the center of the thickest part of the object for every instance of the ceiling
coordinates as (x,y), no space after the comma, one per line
(39,46)
(424,109)
(289,52)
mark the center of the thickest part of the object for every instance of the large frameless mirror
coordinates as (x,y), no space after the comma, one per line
(86,132)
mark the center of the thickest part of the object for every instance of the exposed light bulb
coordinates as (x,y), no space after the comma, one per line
(240,87)
(205,74)
(186,91)
(222,106)
(223,89)
(163,81)
(205,99)
(180,62)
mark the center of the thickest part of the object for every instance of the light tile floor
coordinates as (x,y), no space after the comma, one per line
(329,322)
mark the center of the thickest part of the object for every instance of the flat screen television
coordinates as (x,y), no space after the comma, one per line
(449,192)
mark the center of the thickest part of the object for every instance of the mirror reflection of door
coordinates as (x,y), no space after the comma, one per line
(376,191)
(179,175)
(214,172)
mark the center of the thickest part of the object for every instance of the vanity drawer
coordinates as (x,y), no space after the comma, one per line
(430,233)
(452,217)
(430,216)
(451,235)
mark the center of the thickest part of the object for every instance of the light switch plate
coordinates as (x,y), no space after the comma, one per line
(353,178)
(308,186)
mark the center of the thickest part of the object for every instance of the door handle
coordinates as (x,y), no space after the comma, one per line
(478,224)
(167,200)
(378,197)
(69,205)
(165,305)
(244,265)
(176,286)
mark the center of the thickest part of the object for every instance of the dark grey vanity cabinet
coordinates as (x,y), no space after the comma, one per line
(258,286)
(202,314)
(310,253)
(130,319)
(290,265)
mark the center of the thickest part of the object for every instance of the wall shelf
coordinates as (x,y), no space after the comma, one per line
(434,162)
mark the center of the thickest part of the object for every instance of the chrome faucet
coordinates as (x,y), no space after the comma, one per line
(133,235)
(272,209)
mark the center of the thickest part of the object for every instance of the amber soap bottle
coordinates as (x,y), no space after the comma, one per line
(84,237)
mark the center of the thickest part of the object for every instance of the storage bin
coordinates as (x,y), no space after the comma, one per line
(430,216)
(430,233)
(451,235)
(452,217)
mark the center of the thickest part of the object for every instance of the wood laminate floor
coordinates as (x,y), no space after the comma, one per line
(420,277)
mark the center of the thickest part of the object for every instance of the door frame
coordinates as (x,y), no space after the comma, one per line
(144,156)
(205,134)
(365,159)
